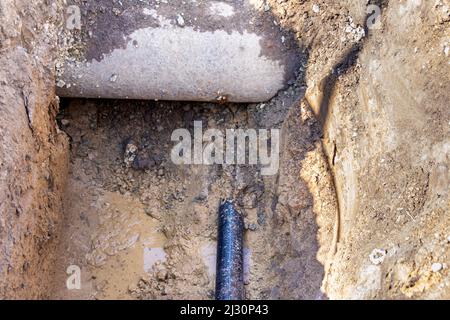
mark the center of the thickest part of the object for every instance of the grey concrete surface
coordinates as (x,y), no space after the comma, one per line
(191,51)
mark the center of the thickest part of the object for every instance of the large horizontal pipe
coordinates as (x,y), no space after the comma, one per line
(230,259)
(178,50)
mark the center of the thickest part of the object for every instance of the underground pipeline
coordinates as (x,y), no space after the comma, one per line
(178,50)
(230,259)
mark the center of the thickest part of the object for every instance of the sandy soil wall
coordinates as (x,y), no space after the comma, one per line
(32,149)
(382,96)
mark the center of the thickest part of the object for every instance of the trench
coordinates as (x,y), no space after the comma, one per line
(133,225)
(140,227)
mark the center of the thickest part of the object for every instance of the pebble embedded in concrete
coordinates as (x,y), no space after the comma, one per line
(180,20)
(113,78)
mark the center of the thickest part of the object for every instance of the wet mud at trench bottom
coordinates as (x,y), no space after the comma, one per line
(145,228)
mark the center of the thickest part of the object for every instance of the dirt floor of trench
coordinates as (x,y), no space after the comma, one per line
(145,228)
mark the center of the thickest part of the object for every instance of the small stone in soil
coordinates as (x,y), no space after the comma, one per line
(113,78)
(377,256)
(180,20)
(436,267)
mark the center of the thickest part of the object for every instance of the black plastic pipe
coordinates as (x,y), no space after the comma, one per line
(230,260)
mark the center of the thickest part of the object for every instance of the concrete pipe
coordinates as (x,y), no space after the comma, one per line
(194,50)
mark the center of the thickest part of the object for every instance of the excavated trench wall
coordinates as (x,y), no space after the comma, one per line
(382,98)
(33,152)
(384,107)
